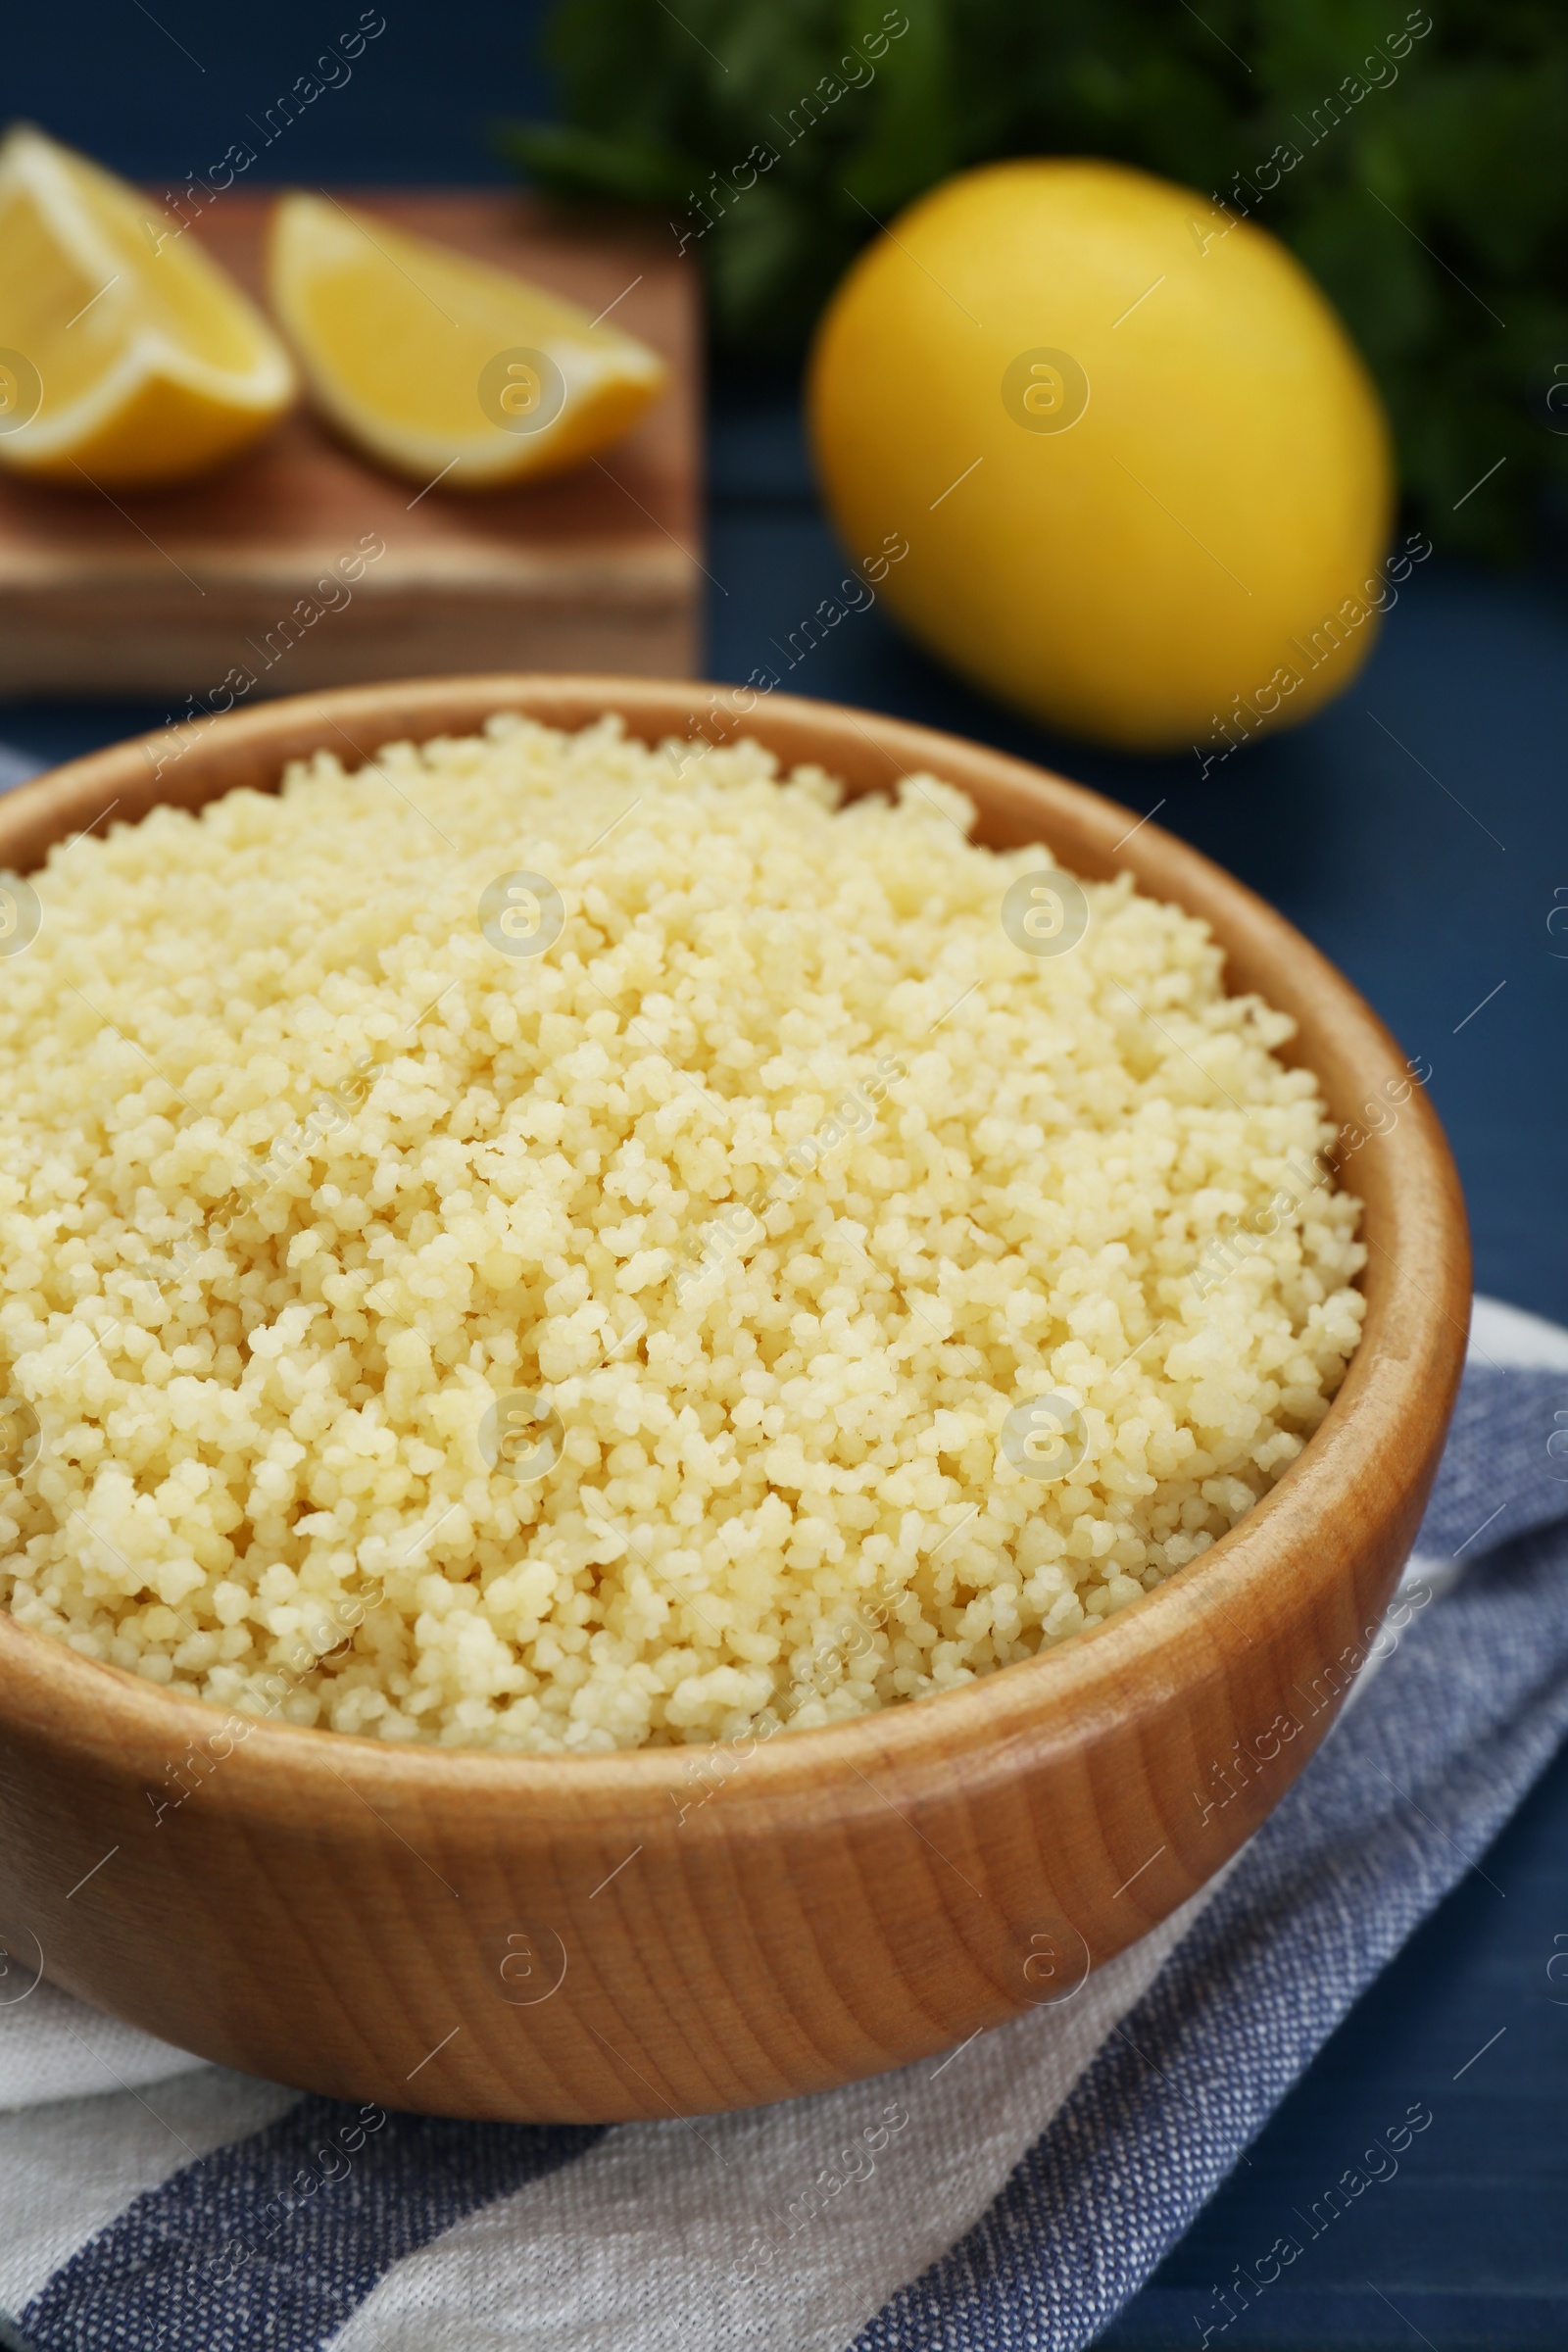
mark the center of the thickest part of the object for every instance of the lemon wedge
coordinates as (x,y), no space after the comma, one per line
(440,366)
(126,355)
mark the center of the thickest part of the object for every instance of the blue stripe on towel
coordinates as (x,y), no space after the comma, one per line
(1504,1469)
(1468,1711)
(238,2250)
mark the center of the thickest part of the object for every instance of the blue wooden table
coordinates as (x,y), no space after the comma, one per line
(1418,831)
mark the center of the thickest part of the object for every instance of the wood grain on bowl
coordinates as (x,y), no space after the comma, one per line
(677,1930)
(188,591)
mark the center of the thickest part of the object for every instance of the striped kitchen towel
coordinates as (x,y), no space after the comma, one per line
(1015,2192)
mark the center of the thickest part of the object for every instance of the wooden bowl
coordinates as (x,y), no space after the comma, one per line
(579,1939)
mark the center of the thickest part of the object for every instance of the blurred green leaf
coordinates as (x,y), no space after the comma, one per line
(1429,197)
(578,163)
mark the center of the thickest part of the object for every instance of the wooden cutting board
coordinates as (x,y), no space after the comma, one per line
(166,594)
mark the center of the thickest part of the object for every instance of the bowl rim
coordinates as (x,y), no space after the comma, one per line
(1189,1627)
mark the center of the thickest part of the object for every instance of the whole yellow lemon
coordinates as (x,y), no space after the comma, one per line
(1140,475)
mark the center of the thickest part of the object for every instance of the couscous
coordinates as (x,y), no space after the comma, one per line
(552,1243)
